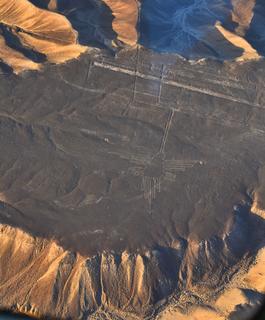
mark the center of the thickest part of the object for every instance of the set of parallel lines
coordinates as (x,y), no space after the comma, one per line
(178,85)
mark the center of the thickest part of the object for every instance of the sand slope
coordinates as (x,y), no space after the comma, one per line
(199,29)
(249,53)
(212,29)
(46,32)
(130,182)
(15,59)
(126,17)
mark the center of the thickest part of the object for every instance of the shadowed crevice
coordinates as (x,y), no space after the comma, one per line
(14,42)
(256,32)
(5,68)
(187,28)
(91,19)
(43,4)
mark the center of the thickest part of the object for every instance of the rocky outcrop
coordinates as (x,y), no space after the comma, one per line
(212,29)
(47,33)
(40,278)
(133,183)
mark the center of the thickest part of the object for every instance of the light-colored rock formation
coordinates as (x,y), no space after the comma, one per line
(242,14)
(46,32)
(50,32)
(39,277)
(126,14)
(66,211)
(249,53)
(15,59)
(233,296)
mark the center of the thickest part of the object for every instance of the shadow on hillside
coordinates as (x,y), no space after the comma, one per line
(90,18)
(256,32)
(187,28)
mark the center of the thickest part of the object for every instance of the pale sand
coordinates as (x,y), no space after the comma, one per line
(125,14)
(255,278)
(258,206)
(198,314)
(52,5)
(248,51)
(227,302)
(51,33)
(38,22)
(47,32)
(15,59)
(243,12)
(55,52)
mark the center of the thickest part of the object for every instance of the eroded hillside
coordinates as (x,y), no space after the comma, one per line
(195,30)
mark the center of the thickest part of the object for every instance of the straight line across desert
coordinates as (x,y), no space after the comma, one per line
(132,163)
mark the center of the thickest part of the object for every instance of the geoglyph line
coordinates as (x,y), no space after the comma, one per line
(220,121)
(176,84)
(135,74)
(168,125)
(151,186)
(189,72)
(161,84)
(76,86)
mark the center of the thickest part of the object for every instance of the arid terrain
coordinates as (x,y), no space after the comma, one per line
(132,171)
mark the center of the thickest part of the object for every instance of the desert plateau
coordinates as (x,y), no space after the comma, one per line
(132,163)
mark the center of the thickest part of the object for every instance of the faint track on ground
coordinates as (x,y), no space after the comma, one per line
(174,84)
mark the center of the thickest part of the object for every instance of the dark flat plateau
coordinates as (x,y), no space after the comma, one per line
(131,152)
